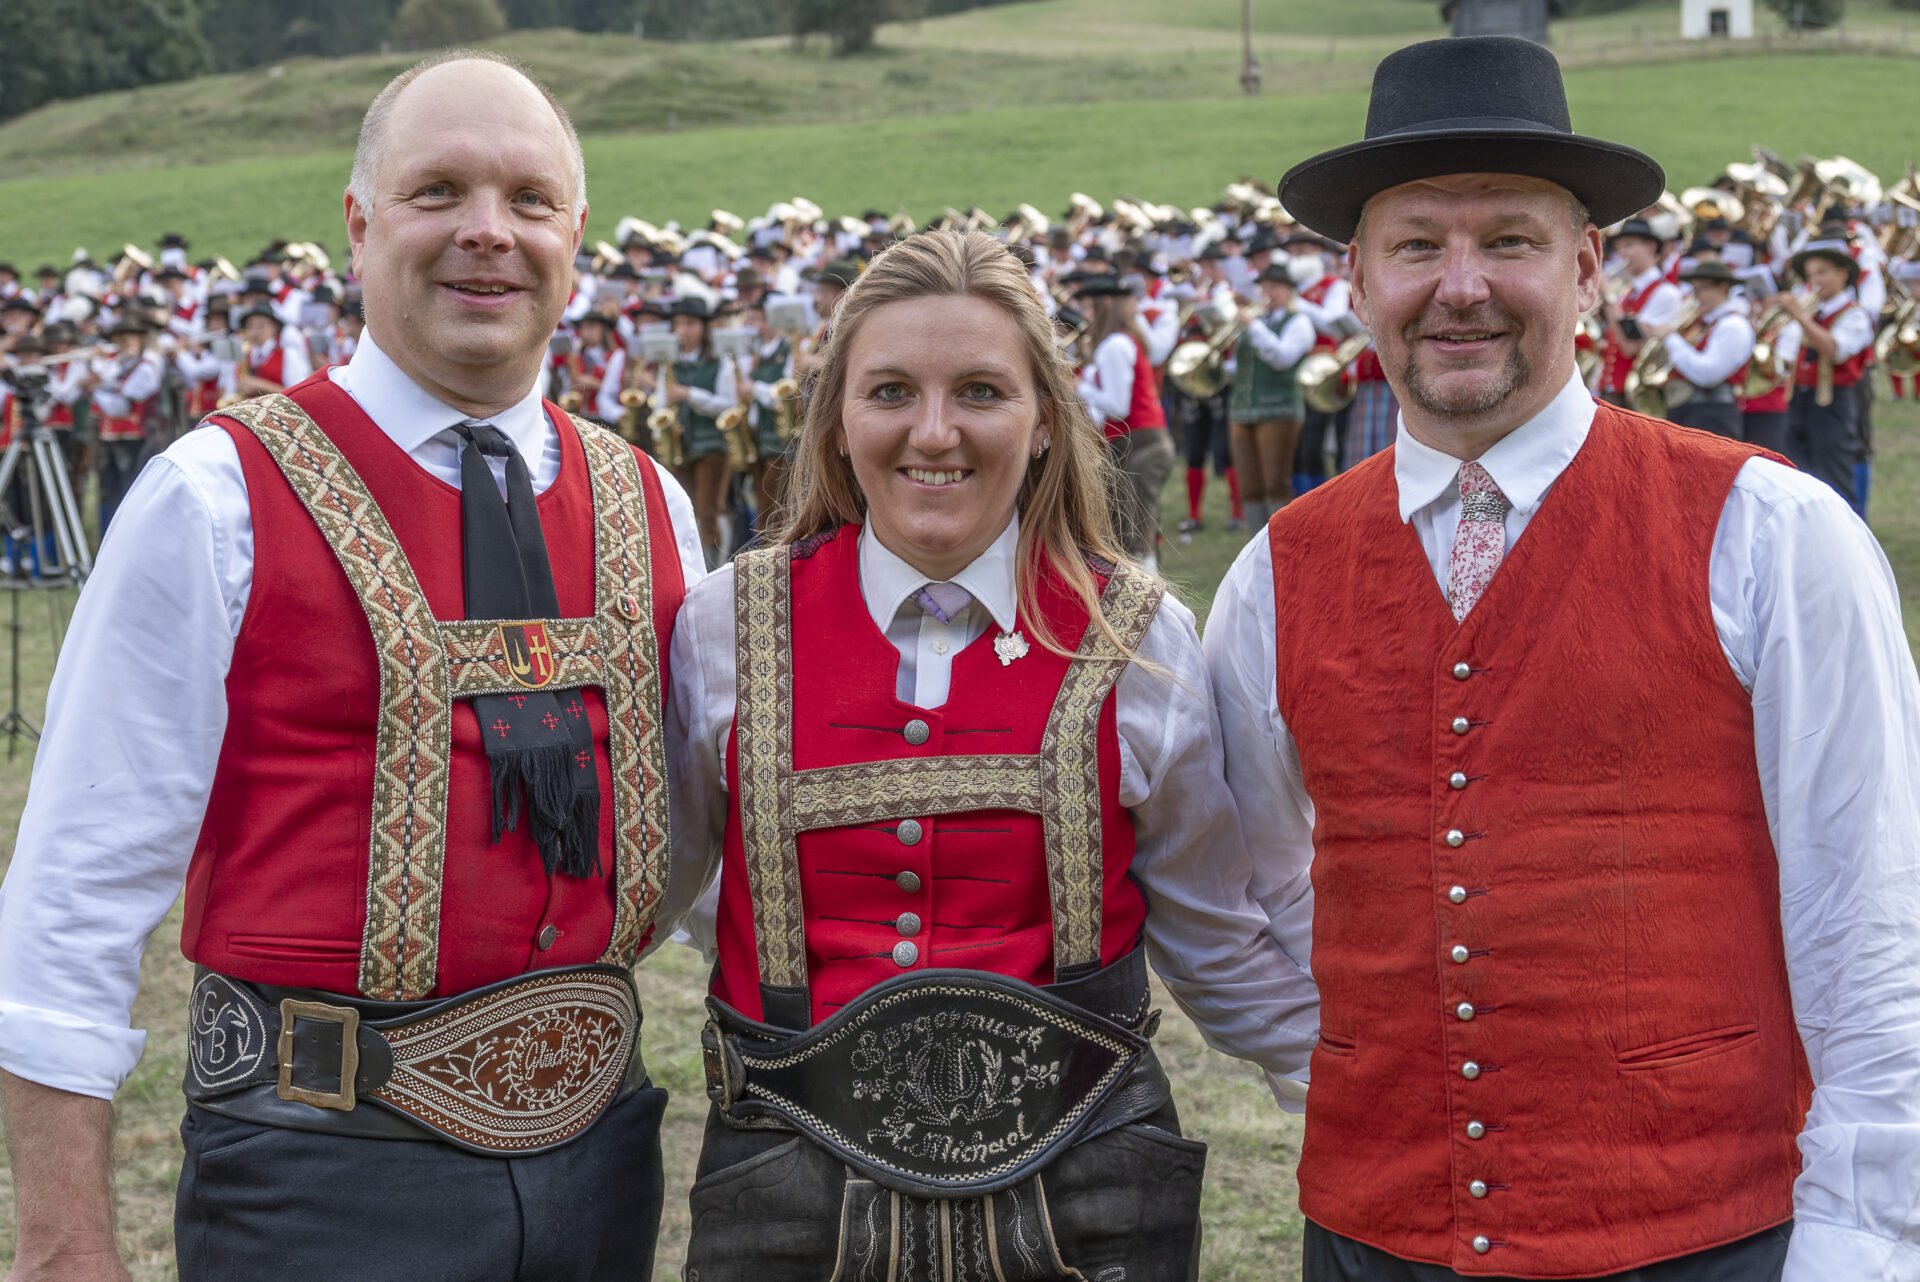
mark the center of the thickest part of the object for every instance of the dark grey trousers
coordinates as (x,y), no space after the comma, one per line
(1722,418)
(1145,461)
(1824,440)
(258,1202)
(1330,1257)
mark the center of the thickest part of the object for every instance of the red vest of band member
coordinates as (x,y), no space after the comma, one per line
(979,879)
(124,427)
(276,891)
(273,366)
(1845,373)
(1144,411)
(1615,361)
(1316,294)
(1563,786)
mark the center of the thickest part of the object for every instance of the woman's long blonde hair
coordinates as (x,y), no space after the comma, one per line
(1064,501)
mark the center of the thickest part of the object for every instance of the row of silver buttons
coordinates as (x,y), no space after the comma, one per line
(1460,954)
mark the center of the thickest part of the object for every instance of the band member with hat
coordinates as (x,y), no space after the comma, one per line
(1649,300)
(703,385)
(773,416)
(402,741)
(1121,388)
(1823,417)
(1579,755)
(1710,358)
(273,362)
(124,389)
(1265,407)
(952,751)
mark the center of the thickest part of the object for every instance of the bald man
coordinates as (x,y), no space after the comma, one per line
(373,667)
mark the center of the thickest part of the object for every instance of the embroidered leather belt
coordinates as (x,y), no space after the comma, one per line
(515,1068)
(940,1083)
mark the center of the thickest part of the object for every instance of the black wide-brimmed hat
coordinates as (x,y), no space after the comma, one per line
(1277,274)
(1638,228)
(1711,269)
(1104,285)
(1468,105)
(1834,251)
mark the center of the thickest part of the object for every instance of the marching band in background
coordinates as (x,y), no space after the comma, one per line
(1755,308)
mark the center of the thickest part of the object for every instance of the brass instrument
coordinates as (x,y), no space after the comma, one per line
(663,424)
(1198,367)
(1768,369)
(133,260)
(1898,345)
(1587,359)
(240,367)
(1326,380)
(1711,202)
(786,409)
(1651,388)
(743,451)
(572,399)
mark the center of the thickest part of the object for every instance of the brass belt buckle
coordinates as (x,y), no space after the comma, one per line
(349,1020)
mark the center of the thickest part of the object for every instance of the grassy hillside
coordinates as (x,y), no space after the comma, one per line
(1166,151)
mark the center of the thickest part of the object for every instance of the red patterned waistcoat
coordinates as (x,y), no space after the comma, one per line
(347,844)
(1557,1038)
(868,837)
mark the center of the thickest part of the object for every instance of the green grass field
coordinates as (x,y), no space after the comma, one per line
(1252,1221)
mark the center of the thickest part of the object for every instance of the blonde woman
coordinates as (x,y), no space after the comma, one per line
(952,752)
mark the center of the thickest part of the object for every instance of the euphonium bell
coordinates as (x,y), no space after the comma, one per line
(632,397)
(571,400)
(741,450)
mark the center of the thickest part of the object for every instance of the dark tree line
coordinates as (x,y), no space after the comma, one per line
(52,49)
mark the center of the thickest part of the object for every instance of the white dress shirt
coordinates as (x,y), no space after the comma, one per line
(1853,332)
(1106,384)
(1729,346)
(1281,346)
(1327,314)
(1663,304)
(124,385)
(136,714)
(1205,936)
(1808,617)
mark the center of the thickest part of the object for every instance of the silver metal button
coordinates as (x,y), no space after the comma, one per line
(917,732)
(1478,1188)
(1457,780)
(1460,726)
(1464,1010)
(908,881)
(1482,1245)
(1460,953)
(547,935)
(1457,894)
(1469,1070)
(905,953)
(1476,1130)
(909,832)
(1456,838)
(907,923)
(1462,671)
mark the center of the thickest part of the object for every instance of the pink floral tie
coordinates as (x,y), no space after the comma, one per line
(1480,541)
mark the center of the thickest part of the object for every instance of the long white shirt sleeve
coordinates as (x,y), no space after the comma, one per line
(1329,311)
(1853,331)
(1808,618)
(606,404)
(1106,384)
(119,393)
(133,733)
(1162,322)
(1205,936)
(726,391)
(1729,346)
(1282,349)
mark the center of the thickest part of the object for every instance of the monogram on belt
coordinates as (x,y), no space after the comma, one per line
(938,1083)
(507,1070)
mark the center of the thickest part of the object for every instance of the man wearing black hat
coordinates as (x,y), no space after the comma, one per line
(1710,356)
(1579,754)
(123,388)
(1823,418)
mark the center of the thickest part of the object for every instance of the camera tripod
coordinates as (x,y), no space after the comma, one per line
(46,543)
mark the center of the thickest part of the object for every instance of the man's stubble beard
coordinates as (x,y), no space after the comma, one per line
(1512,376)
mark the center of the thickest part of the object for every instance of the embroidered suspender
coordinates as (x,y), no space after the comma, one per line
(426,665)
(777,802)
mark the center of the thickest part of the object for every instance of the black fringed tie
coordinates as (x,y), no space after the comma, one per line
(539,742)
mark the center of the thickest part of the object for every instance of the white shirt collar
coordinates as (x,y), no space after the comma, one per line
(1648,277)
(886,581)
(1835,303)
(1524,463)
(412,416)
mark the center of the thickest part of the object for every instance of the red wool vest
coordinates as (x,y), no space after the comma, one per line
(277,889)
(1846,373)
(1144,411)
(273,367)
(1316,294)
(978,879)
(1563,788)
(1616,363)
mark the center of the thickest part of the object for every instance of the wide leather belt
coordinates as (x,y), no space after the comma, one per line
(939,1083)
(515,1068)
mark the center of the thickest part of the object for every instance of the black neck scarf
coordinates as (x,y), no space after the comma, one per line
(539,742)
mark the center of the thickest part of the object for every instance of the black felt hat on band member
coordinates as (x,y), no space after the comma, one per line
(1468,105)
(1635,228)
(1834,251)
(1711,270)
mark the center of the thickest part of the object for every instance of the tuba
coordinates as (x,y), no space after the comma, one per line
(1898,345)
(1326,379)
(1198,367)
(1651,388)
